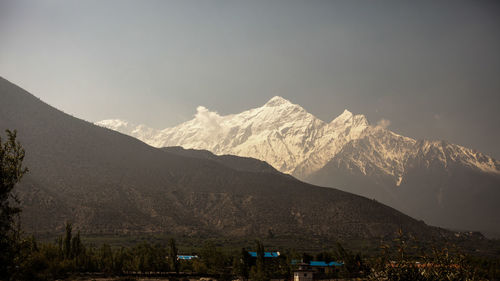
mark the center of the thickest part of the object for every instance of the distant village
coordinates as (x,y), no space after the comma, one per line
(305,270)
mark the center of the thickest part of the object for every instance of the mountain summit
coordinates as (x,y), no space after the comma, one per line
(281,133)
(290,139)
(418,177)
(278,101)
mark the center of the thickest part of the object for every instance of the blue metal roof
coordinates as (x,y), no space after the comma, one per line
(320,263)
(186,257)
(325,264)
(266,254)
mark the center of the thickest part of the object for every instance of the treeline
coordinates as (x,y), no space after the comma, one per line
(68,256)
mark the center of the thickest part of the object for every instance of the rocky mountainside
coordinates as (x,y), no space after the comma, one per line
(350,154)
(107,182)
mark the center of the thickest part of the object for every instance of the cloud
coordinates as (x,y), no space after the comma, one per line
(383,123)
(209,119)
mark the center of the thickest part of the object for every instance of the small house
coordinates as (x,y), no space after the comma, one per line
(303,273)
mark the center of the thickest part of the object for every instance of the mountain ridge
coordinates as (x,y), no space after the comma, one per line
(107,182)
(337,153)
(292,133)
(276,117)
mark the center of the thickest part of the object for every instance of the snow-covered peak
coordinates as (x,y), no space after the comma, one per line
(141,132)
(348,118)
(117,125)
(113,122)
(294,141)
(278,101)
(344,117)
(447,153)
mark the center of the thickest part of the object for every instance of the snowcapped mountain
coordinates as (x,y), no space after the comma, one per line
(444,153)
(294,141)
(281,133)
(443,183)
(105,182)
(380,151)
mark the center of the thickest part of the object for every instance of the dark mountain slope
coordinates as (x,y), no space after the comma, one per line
(245,164)
(104,181)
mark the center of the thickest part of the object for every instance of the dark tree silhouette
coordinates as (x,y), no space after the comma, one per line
(11,172)
(67,240)
(173,255)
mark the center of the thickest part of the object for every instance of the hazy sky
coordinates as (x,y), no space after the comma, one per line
(430,67)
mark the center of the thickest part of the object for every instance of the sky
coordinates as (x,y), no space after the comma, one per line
(429,69)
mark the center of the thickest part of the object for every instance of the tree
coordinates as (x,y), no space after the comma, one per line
(67,241)
(173,255)
(106,259)
(11,172)
(242,264)
(213,259)
(259,272)
(354,266)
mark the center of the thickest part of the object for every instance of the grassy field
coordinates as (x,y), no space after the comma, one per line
(193,244)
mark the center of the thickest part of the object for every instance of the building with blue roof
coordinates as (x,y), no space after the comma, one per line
(186,257)
(319,263)
(325,264)
(308,271)
(266,254)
